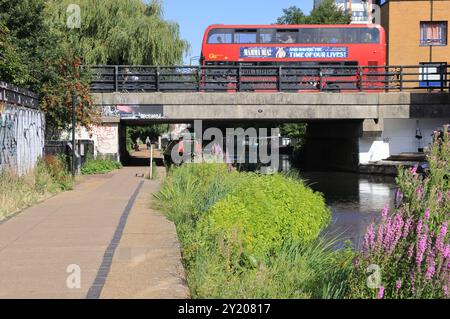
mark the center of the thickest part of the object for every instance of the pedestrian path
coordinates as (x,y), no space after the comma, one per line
(74,244)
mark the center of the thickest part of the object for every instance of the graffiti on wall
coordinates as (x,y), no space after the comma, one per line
(107,138)
(21,138)
(134,112)
(8,141)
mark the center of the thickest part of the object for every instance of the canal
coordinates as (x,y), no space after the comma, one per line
(355,200)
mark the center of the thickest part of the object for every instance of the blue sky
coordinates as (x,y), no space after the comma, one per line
(194,16)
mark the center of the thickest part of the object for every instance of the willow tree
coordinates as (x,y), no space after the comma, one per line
(120,32)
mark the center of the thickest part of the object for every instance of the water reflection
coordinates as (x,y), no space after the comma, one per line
(355,200)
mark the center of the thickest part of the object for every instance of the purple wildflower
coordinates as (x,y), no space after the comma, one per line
(385,212)
(413,289)
(410,251)
(369,238)
(414,169)
(431,266)
(440,238)
(427,214)
(380,292)
(419,193)
(406,228)
(421,249)
(446,252)
(398,285)
(419,228)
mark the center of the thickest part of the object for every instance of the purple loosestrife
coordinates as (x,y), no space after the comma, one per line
(410,251)
(440,239)
(369,239)
(446,252)
(398,231)
(413,288)
(419,193)
(407,228)
(427,214)
(398,285)
(380,292)
(414,169)
(420,250)
(387,238)
(385,212)
(431,266)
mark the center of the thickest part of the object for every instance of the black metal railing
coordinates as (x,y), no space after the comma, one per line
(15,95)
(326,78)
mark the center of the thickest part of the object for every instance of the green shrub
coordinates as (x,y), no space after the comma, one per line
(264,212)
(99,166)
(246,235)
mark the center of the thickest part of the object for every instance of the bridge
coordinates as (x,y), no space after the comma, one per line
(356,114)
(180,93)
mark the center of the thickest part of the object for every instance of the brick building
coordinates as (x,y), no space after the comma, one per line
(416,31)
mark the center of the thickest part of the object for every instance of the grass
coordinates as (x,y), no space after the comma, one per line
(17,193)
(245,235)
(99,166)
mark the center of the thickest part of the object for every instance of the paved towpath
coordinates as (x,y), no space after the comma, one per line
(105,231)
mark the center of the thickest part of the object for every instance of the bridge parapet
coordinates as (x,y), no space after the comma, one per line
(274,106)
(281,78)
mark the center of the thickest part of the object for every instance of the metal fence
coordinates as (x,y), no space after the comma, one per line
(14,95)
(427,77)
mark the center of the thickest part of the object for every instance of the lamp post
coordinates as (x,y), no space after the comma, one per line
(74,102)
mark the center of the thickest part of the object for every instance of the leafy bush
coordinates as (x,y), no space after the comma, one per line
(250,236)
(99,166)
(264,212)
(50,176)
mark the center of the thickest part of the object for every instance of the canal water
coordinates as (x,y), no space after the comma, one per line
(355,200)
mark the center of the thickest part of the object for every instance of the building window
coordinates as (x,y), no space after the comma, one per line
(433,33)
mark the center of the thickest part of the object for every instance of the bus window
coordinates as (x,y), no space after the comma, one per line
(332,35)
(373,36)
(267,36)
(218,36)
(287,36)
(308,35)
(245,36)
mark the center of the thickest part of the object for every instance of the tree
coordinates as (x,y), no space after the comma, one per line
(12,67)
(120,32)
(39,52)
(292,15)
(326,13)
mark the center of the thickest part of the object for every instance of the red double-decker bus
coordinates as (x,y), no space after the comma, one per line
(336,50)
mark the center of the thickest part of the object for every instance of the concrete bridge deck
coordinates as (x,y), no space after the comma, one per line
(172,107)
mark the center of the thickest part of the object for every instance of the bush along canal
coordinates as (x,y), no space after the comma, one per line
(246,235)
